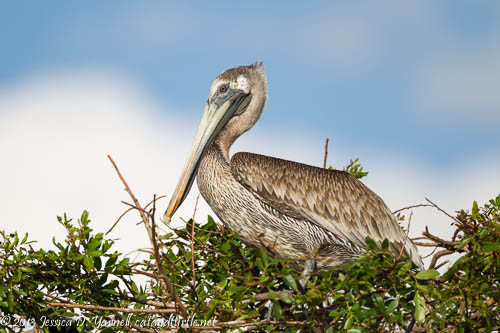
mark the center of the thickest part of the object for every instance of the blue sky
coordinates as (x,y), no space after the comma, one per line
(355,72)
(411,87)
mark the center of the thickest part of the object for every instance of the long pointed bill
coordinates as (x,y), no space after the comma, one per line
(213,119)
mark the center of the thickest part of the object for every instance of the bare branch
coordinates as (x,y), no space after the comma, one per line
(439,255)
(426,244)
(410,207)
(118,220)
(192,242)
(148,302)
(441,264)
(264,296)
(136,202)
(442,243)
(163,275)
(442,211)
(152,237)
(108,308)
(326,153)
(406,236)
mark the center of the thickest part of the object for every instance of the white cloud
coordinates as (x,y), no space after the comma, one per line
(55,133)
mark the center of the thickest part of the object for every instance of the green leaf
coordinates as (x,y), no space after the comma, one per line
(222,284)
(475,209)
(24,239)
(385,244)
(109,291)
(290,281)
(277,311)
(427,274)
(111,261)
(264,257)
(10,301)
(491,247)
(348,323)
(392,305)
(28,270)
(419,307)
(370,244)
(98,263)
(226,247)
(285,298)
(89,263)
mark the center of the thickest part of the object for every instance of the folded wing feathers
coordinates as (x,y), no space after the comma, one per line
(334,200)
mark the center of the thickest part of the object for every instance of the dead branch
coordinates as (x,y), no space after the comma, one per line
(326,153)
(192,242)
(441,242)
(441,264)
(410,207)
(148,302)
(152,237)
(264,296)
(406,236)
(442,210)
(136,202)
(438,255)
(430,254)
(163,275)
(426,244)
(118,220)
(109,308)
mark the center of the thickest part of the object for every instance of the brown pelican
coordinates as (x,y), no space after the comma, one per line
(292,209)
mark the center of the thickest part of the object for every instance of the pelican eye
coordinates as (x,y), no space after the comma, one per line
(223,88)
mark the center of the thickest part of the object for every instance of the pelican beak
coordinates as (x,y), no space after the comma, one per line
(215,117)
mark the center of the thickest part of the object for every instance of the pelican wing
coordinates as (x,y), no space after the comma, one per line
(332,199)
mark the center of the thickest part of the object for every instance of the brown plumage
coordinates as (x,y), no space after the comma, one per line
(291,209)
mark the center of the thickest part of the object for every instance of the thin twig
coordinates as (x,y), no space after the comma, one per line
(164,276)
(441,264)
(430,254)
(118,220)
(152,237)
(145,250)
(410,207)
(192,241)
(326,153)
(155,198)
(108,308)
(135,207)
(426,244)
(442,210)
(136,202)
(264,296)
(147,301)
(440,241)
(406,237)
(151,275)
(439,255)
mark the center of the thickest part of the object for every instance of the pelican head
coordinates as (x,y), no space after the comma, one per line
(235,103)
